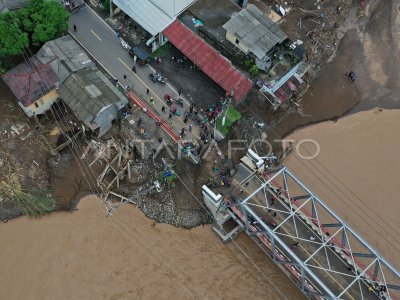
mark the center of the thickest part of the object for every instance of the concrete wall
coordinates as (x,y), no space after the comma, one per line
(41,105)
(105,118)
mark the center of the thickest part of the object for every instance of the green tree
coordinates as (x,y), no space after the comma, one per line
(106,5)
(12,39)
(254,70)
(43,20)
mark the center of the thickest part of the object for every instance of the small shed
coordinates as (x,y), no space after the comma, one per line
(94,100)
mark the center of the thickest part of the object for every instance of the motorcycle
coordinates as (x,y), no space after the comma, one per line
(168,99)
(175,111)
(179,101)
(156,77)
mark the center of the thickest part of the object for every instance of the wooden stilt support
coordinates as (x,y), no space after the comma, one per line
(129,169)
(104,173)
(119,157)
(112,182)
(94,161)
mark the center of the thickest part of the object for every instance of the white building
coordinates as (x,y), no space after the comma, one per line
(154,15)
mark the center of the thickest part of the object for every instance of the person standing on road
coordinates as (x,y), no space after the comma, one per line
(163,109)
(75,30)
(134,68)
(170,116)
(152,101)
(179,92)
(124,77)
(190,127)
(148,91)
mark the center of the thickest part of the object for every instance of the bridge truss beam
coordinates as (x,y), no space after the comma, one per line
(320,252)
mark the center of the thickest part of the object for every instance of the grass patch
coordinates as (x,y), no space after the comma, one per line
(232,115)
(160,52)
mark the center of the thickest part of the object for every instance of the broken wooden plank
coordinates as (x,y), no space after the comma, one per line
(101,177)
(94,161)
(129,169)
(112,182)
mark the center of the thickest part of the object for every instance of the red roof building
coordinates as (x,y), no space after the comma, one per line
(30,81)
(217,67)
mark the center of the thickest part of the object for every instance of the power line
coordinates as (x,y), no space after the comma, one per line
(354,195)
(41,84)
(355,212)
(241,250)
(74,147)
(74,142)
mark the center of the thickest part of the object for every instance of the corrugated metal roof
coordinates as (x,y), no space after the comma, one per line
(15,4)
(51,66)
(87,93)
(255,30)
(217,67)
(3,7)
(30,81)
(153,15)
(66,57)
(172,7)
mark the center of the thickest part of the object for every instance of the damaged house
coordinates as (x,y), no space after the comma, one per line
(253,33)
(62,69)
(93,99)
(258,36)
(34,82)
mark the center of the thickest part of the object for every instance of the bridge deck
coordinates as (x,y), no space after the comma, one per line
(290,231)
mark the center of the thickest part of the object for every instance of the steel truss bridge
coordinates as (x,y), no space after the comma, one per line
(307,239)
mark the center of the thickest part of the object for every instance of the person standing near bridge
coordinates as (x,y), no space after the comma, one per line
(294,245)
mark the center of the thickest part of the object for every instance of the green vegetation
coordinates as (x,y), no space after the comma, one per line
(29,204)
(248,62)
(43,20)
(40,21)
(169,177)
(254,70)
(12,39)
(106,5)
(232,115)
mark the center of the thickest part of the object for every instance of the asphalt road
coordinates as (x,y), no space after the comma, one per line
(102,43)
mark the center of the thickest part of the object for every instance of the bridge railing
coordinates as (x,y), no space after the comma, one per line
(322,254)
